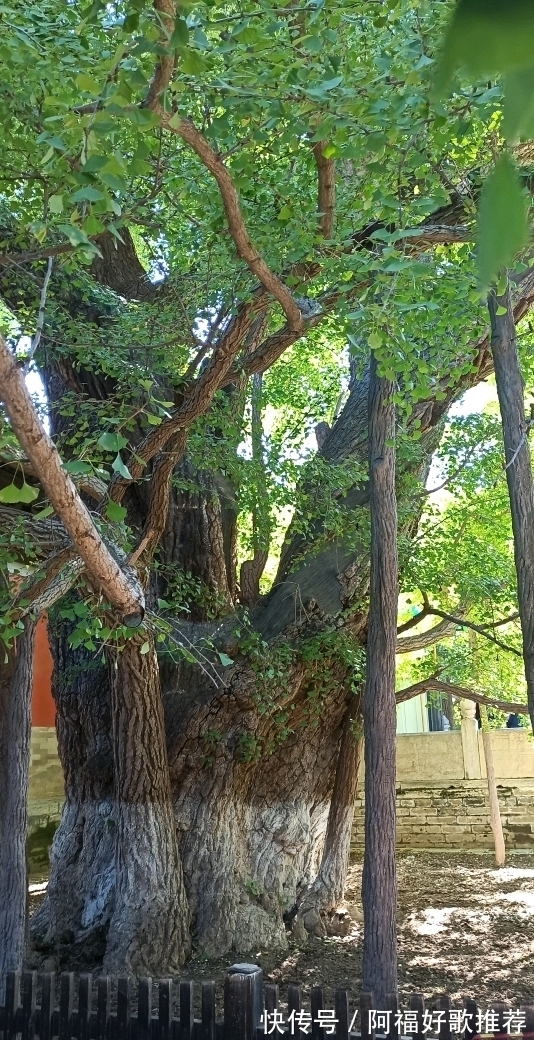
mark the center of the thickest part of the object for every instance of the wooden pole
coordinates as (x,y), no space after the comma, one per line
(495,812)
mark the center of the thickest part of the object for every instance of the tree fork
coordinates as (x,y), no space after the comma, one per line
(379,881)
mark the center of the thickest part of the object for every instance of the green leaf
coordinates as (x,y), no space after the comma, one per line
(375,341)
(55,203)
(192,64)
(180,36)
(111,441)
(87,194)
(518,107)
(119,467)
(76,236)
(115,512)
(154,420)
(112,181)
(225,660)
(145,648)
(76,467)
(95,163)
(487,37)
(43,513)
(12,493)
(502,224)
(87,83)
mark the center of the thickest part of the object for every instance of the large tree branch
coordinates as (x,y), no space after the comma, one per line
(184,128)
(103,569)
(481,629)
(409,644)
(197,398)
(236,225)
(446,628)
(460,692)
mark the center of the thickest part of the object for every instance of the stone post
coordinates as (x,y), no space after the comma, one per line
(472,770)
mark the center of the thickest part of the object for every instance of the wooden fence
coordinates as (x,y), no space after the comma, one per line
(41,1006)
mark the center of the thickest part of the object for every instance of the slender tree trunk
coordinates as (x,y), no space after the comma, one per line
(16,718)
(495,812)
(518,470)
(149,929)
(379,883)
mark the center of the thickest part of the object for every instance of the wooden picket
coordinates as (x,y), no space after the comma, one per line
(117,1014)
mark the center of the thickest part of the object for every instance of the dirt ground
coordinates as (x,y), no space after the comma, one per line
(464,928)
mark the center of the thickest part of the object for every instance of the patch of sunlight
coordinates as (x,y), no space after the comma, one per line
(435,920)
(41,887)
(525,899)
(511,873)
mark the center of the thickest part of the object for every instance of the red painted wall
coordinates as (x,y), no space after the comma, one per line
(43,707)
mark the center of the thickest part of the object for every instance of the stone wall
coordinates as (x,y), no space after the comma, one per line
(442,793)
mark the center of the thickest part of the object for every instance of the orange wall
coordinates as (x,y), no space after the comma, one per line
(43,707)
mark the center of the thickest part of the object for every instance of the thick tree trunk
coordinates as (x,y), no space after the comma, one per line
(149,929)
(251,825)
(74,917)
(319,910)
(518,470)
(14,769)
(379,882)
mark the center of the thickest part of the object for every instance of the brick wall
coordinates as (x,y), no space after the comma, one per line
(456,815)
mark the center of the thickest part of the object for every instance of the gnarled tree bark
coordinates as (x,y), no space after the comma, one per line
(15,733)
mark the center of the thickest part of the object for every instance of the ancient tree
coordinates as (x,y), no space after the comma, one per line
(208,226)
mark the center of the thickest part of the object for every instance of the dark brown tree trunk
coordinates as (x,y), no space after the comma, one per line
(14,769)
(74,917)
(149,929)
(379,882)
(510,391)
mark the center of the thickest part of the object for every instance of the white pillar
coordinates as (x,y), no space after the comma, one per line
(472,770)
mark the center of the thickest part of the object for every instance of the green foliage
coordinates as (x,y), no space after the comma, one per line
(503,228)
(82,153)
(488,36)
(496,37)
